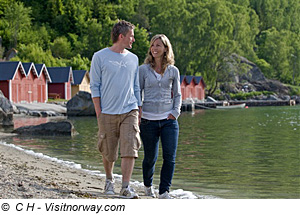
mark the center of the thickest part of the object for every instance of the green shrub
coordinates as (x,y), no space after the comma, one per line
(245,96)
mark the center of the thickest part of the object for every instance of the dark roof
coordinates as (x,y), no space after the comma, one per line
(8,70)
(78,76)
(182,78)
(27,68)
(60,74)
(198,79)
(40,68)
(189,79)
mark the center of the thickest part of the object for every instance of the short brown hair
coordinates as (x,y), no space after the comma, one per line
(121,27)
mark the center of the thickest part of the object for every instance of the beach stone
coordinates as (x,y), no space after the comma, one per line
(6,111)
(62,128)
(81,105)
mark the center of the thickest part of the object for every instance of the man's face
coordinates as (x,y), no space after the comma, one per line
(128,39)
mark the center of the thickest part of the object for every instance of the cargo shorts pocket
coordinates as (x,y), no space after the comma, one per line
(137,138)
(102,142)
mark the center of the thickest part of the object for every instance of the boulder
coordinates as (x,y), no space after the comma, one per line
(272,86)
(62,128)
(273,98)
(6,111)
(251,72)
(81,105)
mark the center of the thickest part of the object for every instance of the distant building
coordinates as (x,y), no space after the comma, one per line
(81,81)
(21,82)
(183,86)
(62,78)
(42,82)
(192,87)
(199,88)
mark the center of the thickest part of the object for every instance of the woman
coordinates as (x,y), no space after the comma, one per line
(160,84)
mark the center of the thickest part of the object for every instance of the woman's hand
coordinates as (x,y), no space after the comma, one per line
(171,117)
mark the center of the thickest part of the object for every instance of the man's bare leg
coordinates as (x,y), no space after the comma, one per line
(127,169)
(108,167)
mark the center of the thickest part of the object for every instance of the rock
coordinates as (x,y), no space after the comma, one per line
(6,111)
(229,88)
(35,113)
(285,97)
(6,119)
(62,128)
(251,72)
(81,105)
(272,86)
(273,98)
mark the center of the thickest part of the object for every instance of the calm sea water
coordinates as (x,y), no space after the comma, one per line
(242,153)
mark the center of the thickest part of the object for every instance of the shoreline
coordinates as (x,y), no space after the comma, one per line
(27,176)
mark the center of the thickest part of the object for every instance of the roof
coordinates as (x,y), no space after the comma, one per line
(60,74)
(78,76)
(182,77)
(28,67)
(198,79)
(8,70)
(40,68)
(189,79)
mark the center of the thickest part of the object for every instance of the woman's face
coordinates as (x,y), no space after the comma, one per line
(158,49)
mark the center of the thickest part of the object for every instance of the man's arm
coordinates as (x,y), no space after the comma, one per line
(96,101)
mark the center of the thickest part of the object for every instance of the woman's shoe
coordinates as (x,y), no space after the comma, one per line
(165,195)
(149,191)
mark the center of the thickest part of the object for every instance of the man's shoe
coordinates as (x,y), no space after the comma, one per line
(149,191)
(109,188)
(165,195)
(128,193)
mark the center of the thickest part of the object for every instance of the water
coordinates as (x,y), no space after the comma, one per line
(241,153)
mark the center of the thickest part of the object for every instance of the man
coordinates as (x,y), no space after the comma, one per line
(116,96)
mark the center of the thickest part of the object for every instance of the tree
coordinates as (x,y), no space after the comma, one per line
(18,18)
(61,48)
(3,5)
(141,44)
(34,53)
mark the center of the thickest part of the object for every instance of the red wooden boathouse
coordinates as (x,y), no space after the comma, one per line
(22,83)
(62,78)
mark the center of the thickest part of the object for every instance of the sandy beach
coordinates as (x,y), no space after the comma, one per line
(25,176)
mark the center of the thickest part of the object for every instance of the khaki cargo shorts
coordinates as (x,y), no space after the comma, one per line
(118,129)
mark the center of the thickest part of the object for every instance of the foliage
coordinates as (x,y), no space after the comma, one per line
(205,34)
(294,90)
(248,95)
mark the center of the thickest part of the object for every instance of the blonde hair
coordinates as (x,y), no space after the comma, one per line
(168,58)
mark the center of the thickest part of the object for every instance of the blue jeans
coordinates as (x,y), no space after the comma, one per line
(168,131)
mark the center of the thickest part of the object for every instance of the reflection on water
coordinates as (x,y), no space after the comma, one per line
(245,153)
